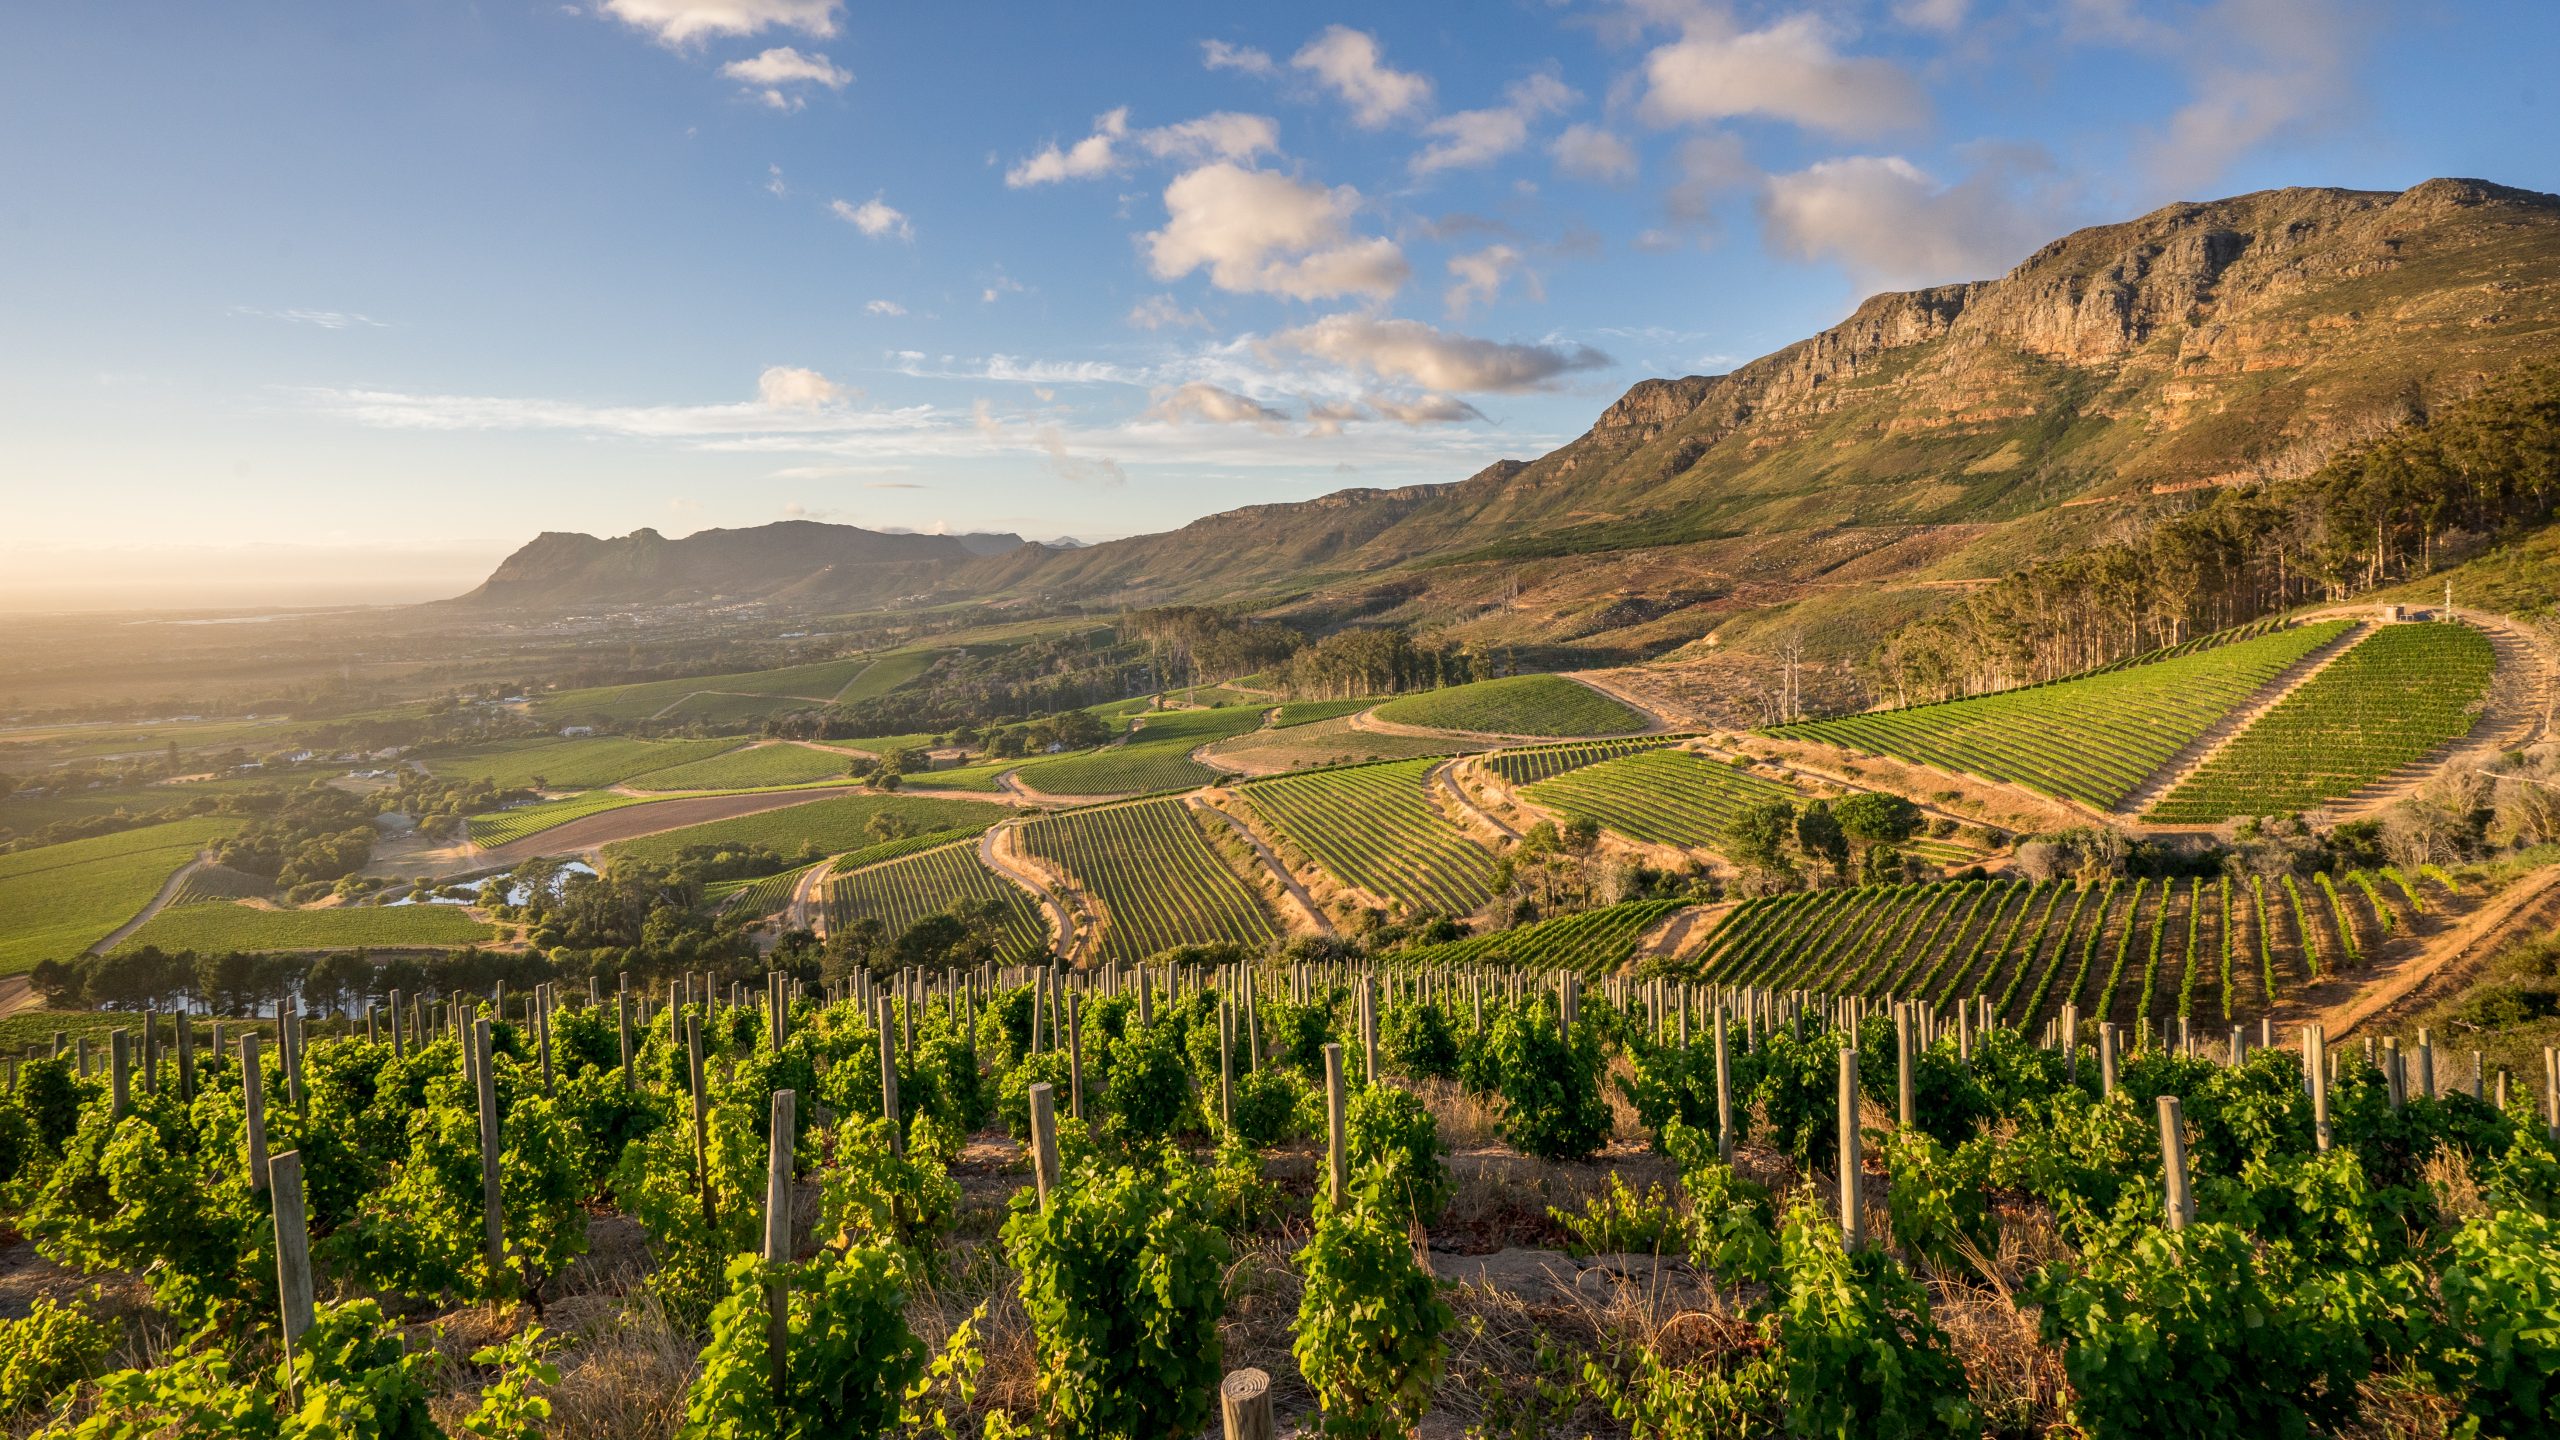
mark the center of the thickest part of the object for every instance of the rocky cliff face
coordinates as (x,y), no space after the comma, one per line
(810,563)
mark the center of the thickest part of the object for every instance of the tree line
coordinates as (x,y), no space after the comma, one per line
(2376,513)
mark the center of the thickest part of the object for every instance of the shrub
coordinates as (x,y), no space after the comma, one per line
(1265,1106)
(1369,1321)
(1862,1355)
(1394,1148)
(850,1358)
(2501,1354)
(1550,1086)
(54,1345)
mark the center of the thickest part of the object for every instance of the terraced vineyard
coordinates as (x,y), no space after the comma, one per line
(217,928)
(1532,763)
(827,827)
(1157,757)
(762,895)
(582,763)
(902,891)
(1327,742)
(1594,942)
(2400,693)
(1154,875)
(1375,827)
(757,767)
(1307,712)
(2124,949)
(789,687)
(1518,705)
(1662,797)
(2094,739)
(503,827)
(208,883)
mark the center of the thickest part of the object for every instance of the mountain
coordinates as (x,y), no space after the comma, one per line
(1851,481)
(795,562)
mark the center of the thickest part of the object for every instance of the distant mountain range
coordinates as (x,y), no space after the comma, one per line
(1849,481)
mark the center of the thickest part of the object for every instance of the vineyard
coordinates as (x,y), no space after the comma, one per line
(2129,950)
(215,928)
(1531,763)
(2389,701)
(209,883)
(505,827)
(61,899)
(1156,757)
(1307,712)
(766,691)
(1154,876)
(886,674)
(1590,942)
(582,763)
(824,827)
(759,895)
(1519,705)
(1373,826)
(1661,797)
(900,891)
(918,1206)
(2094,739)
(755,767)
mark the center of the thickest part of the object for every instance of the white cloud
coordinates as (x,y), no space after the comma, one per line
(2261,70)
(1435,359)
(1786,70)
(886,307)
(782,66)
(1591,152)
(1423,410)
(1163,312)
(1219,55)
(774,184)
(1347,62)
(1214,405)
(1256,231)
(683,22)
(874,217)
(1093,155)
(1471,138)
(1943,16)
(789,387)
(1222,135)
(1893,223)
(1479,277)
(324,319)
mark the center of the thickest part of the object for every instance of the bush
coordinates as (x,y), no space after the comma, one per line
(1394,1149)
(1122,1277)
(1552,1107)
(1862,1355)
(850,1357)
(1265,1105)
(1369,1321)
(877,1197)
(55,1345)
(1150,1085)
(1418,1041)
(2501,1354)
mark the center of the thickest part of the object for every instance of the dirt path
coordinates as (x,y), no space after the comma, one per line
(1681,931)
(17,993)
(1440,777)
(1655,722)
(2237,721)
(2527,905)
(996,853)
(168,892)
(1270,861)
(807,909)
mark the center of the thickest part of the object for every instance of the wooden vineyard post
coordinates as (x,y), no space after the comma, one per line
(293,1254)
(2071,1043)
(1369,1029)
(186,1058)
(2551,1090)
(777,1233)
(2426,1065)
(1336,1157)
(253,1101)
(1724,1093)
(1852,1221)
(2180,1204)
(151,1053)
(2106,1059)
(1075,1056)
(493,1231)
(1906,1115)
(2239,1047)
(701,1113)
(1244,1403)
(1036,1006)
(120,1079)
(542,1032)
(2393,1073)
(622,1003)
(1226,1067)
(1044,1142)
(2315,1065)
(889,1081)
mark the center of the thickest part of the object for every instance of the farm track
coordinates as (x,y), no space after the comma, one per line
(1064,938)
(168,891)
(1271,861)
(1443,779)
(591,833)
(2232,726)
(17,993)
(2530,905)
(808,907)
(1655,722)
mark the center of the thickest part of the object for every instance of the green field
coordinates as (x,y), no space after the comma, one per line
(205,928)
(1307,712)
(2093,739)
(900,892)
(757,767)
(1595,942)
(1663,797)
(793,686)
(833,826)
(579,763)
(1374,827)
(981,775)
(1328,742)
(762,895)
(502,827)
(1519,705)
(889,672)
(58,900)
(1156,757)
(2399,694)
(1155,877)
(207,883)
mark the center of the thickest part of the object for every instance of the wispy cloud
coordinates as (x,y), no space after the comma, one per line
(324,319)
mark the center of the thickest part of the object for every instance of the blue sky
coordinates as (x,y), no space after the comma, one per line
(345,301)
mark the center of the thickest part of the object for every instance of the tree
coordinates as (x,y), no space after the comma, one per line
(1756,837)
(1819,835)
(1873,818)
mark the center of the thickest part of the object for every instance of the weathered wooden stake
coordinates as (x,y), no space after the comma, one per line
(1044,1142)
(1226,1067)
(253,1100)
(1337,1158)
(293,1254)
(120,1059)
(493,1231)
(1853,1228)
(777,1233)
(2106,1059)
(889,1081)
(542,1032)
(701,1112)
(186,1057)
(1724,1093)
(2315,1055)
(1075,1055)
(2180,1204)
(1907,1115)
(1244,1403)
